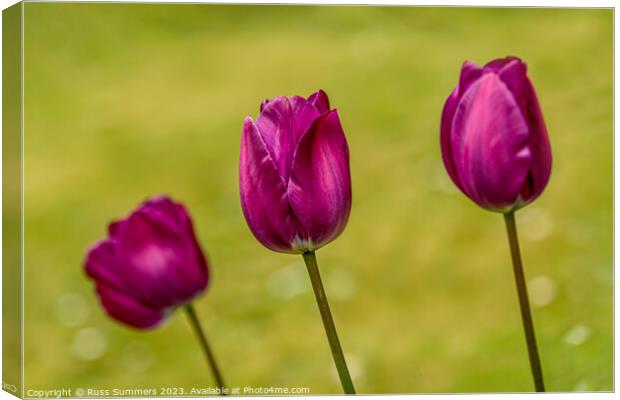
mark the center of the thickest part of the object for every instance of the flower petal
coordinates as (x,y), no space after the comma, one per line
(490,144)
(203,269)
(263,193)
(447,116)
(159,264)
(320,185)
(102,264)
(540,169)
(264,103)
(470,73)
(514,75)
(164,211)
(281,123)
(128,310)
(500,63)
(320,101)
(116,228)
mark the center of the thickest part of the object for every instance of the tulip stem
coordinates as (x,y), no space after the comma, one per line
(195,322)
(526,315)
(328,322)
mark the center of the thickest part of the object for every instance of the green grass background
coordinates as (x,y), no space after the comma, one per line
(124,101)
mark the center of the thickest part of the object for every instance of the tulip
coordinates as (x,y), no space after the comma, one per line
(294,174)
(493,136)
(149,265)
(295,188)
(496,150)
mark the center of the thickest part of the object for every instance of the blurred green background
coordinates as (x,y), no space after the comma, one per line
(124,101)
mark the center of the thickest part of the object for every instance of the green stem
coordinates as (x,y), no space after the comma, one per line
(526,315)
(328,322)
(195,322)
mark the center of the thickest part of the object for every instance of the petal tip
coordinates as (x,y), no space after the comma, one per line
(320,101)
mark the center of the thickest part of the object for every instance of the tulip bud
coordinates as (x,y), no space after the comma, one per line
(149,264)
(294,177)
(493,137)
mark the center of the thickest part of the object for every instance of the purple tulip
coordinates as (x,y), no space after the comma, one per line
(294,174)
(150,264)
(493,136)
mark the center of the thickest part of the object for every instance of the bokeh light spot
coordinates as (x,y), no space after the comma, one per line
(89,344)
(288,281)
(535,223)
(137,357)
(577,335)
(542,290)
(71,309)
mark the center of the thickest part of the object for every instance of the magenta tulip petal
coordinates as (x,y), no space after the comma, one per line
(320,185)
(202,271)
(514,76)
(320,101)
(447,116)
(540,169)
(163,211)
(127,310)
(116,229)
(264,103)
(304,114)
(281,124)
(263,193)
(158,260)
(500,63)
(470,73)
(102,264)
(490,144)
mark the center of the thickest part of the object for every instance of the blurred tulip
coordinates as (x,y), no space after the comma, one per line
(493,136)
(150,264)
(294,174)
